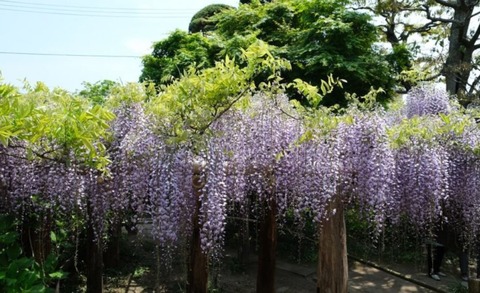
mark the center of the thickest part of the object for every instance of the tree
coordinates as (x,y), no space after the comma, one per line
(449,28)
(400,26)
(97,92)
(201,21)
(210,139)
(318,37)
(172,56)
(463,42)
(53,143)
(186,113)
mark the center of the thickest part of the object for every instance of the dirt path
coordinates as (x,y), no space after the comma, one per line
(301,278)
(298,278)
(409,279)
(364,278)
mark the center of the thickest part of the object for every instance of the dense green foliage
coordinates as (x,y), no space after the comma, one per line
(54,125)
(188,106)
(441,37)
(19,273)
(318,37)
(97,92)
(172,56)
(100,167)
(201,21)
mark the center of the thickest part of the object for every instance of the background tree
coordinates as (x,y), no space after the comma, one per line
(450,31)
(407,34)
(463,42)
(172,56)
(318,37)
(250,1)
(201,21)
(97,92)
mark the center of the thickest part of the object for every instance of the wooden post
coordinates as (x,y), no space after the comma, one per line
(332,271)
(94,257)
(35,237)
(111,256)
(244,246)
(198,263)
(267,250)
(473,285)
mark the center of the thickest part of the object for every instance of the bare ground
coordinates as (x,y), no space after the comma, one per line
(140,275)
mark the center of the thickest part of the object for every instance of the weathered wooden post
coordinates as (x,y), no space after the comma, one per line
(244,247)
(198,263)
(473,285)
(332,270)
(267,250)
(111,257)
(35,236)
(94,259)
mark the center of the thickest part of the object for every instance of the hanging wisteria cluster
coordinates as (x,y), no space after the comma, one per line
(384,165)
(366,164)
(464,183)
(427,101)
(421,181)
(150,178)
(34,185)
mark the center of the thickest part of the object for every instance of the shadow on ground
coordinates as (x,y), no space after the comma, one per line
(139,274)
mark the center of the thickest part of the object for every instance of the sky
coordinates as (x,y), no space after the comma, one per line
(38,35)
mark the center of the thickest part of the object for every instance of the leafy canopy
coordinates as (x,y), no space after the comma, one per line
(190,104)
(170,57)
(318,38)
(54,124)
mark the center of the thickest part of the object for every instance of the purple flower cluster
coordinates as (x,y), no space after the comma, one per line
(427,101)
(259,151)
(463,205)
(366,164)
(421,171)
(150,178)
(250,154)
(34,185)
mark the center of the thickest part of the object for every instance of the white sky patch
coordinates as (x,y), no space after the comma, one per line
(182,6)
(139,46)
(146,22)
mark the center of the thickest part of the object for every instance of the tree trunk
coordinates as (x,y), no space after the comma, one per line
(332,251)
(244,247)
(112,254)
(473,285)
(458,65)
(94,259)
(36,240)
(198,263)
(268,243)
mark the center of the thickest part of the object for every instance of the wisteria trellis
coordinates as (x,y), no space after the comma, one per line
(260,151)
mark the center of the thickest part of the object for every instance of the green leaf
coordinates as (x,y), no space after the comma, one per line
(8,237)
(445,118)
(20,264)
(14,251)
(53,237)
(11,281)
(58,275)
(39,288)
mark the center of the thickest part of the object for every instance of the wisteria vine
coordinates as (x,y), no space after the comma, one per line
(374,159)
